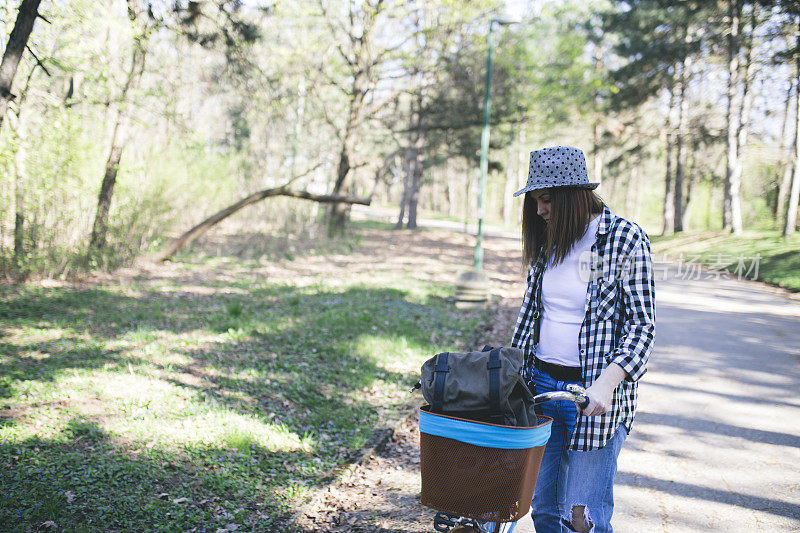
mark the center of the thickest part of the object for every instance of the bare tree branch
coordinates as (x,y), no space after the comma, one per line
(38,61)
(198,230)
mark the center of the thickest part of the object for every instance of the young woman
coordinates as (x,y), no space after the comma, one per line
(587,317)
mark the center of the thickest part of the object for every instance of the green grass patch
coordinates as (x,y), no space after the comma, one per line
(762,255)
(152,405)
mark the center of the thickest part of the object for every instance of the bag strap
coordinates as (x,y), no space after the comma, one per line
(494,365)
(440,374)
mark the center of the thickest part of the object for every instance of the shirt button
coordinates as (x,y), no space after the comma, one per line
(583,351)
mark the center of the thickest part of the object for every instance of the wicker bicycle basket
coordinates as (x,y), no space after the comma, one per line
(479,470)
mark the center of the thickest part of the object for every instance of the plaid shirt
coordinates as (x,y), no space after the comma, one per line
(619,325)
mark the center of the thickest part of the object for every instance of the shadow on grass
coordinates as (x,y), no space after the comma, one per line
(85,481)
(26,368)
(312,372)
(307,341)
(311,360)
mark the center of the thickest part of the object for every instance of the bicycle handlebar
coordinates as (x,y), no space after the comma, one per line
(574,393)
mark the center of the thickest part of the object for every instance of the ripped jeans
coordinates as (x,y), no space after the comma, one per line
(570,478)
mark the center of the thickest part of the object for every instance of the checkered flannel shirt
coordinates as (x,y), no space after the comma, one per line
(619,326)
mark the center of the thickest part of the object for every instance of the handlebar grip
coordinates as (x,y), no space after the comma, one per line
(583,402)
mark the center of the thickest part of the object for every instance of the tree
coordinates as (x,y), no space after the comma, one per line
(658,42)
(143,25)
(741,71)
(412,161)
(20,163)
(362,63)
(790,223)
(787,147)
(532,65)
(17,43)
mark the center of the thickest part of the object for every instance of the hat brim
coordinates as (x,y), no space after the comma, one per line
(549,186)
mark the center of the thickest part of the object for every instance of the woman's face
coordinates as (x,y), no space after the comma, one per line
(542,197)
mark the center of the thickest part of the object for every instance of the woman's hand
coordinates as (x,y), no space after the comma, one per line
(601,392)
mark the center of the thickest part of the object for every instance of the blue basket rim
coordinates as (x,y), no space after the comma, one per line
(547,420)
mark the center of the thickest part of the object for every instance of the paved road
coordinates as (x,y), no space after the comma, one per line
(716,442)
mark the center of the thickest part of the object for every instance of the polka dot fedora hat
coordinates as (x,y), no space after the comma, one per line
(559,166)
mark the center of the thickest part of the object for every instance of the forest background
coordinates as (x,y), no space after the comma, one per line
(129,122)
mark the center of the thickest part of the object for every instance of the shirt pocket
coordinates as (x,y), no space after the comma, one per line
(606,300)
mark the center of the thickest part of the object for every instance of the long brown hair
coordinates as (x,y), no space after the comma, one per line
(570,208)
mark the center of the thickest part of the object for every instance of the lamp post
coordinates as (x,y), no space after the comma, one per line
(478,263)
(472,286)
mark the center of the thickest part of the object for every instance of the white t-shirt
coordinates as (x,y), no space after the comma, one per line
(564,304)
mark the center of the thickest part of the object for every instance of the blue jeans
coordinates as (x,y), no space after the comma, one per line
(570,478)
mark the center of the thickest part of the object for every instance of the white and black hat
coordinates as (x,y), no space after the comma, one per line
(558,166)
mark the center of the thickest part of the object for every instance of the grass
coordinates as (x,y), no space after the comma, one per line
(190,402)
(762,255)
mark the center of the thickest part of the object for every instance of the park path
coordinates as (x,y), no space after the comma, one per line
(716,442)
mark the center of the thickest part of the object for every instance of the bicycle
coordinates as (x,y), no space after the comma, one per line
(498,466)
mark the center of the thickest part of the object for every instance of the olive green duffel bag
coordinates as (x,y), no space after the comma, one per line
(485,386)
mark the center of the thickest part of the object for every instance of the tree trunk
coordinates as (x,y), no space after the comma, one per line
(339,213)
(794,194)
(732,217)
(680,158)
(97,241)
(712,203)
(337,218)
(691,181)
(196,231)
(100,225)
(17,41)
(20,159)
(414,166)
(361,86)
(408,170)
(451,187)
(746,106)
(669,206)
(19,221)
(417,167)
(416,184)
(20,172)
(786,155)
